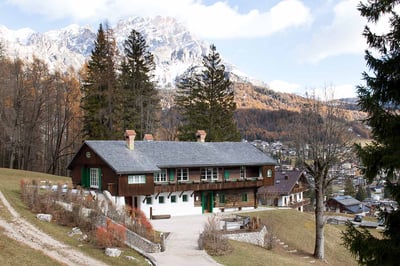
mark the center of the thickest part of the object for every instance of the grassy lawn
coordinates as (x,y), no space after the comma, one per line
(13,253)
(297,230)
(9,186)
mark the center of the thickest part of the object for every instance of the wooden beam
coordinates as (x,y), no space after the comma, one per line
(158,194)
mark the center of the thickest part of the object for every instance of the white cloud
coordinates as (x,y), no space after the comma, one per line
(333,92)
(342,36)
(217,21)
(344,91)
(283,86)
(322,92)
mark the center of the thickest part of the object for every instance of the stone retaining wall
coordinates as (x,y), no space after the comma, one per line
(135,241)
(255,238)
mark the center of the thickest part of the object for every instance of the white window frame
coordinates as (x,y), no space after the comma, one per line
(94,178)
(269,173)
(242,172)
(161,177)
(182,174)
(209,173)
(136,179)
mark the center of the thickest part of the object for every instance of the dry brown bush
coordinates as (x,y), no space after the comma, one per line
(212,239)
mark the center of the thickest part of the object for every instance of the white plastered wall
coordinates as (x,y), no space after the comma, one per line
(178,208)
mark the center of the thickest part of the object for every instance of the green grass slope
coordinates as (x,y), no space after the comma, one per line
(296,230)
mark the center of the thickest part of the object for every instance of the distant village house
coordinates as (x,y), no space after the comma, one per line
(287,190)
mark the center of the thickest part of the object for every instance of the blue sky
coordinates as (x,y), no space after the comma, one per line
(295,46)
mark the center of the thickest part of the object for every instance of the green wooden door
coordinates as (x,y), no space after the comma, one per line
(85,175)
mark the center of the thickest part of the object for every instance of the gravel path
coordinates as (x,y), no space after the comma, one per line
(182,246)
(24,232)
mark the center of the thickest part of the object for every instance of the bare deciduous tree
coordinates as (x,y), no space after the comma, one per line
(323,142)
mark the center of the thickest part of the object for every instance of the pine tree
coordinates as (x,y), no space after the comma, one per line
(361,193)
(206,101)
(380,98)
(349,187)
(141,102)
(100,95)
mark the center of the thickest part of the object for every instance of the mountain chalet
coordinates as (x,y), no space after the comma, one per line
(171,177)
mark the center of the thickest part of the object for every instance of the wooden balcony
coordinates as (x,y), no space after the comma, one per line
(294,205)
(208,185)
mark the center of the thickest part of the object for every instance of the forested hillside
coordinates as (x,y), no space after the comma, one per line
(268,115)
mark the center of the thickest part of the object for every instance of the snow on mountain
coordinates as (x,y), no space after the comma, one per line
(174,48)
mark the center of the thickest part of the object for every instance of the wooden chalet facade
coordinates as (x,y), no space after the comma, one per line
(346,204)
(287,190)
(174,178)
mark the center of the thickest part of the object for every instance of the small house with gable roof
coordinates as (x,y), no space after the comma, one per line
(172,177)
(287,190)
(347,204)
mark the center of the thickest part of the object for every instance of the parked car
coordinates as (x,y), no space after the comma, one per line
(358,218)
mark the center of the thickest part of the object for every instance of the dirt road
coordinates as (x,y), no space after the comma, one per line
(22,231)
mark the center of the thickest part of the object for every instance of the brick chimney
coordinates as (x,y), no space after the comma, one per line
(201,135)
(130,138)
(148,137)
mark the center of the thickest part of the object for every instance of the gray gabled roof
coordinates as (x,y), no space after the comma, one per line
(150,156)
(284,183)
(346,200)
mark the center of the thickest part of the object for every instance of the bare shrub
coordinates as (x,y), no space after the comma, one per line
(255,223)
(212,239)
(111,235)
(63,217)
(269,238)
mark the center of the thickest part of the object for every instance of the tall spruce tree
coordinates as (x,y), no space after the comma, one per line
(380,98)
(100,95)
(141,102)
(206,101)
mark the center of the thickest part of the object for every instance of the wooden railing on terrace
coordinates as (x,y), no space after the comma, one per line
(297,204)
(207,185)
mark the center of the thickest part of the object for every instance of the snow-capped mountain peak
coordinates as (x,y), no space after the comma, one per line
(175,49)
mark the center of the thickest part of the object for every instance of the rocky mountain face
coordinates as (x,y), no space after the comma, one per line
(175,49)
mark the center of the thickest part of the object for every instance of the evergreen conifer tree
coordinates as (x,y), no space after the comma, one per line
(141,102)
(206,101)
(100,95)
(380,98)
(349,187)
(361,193)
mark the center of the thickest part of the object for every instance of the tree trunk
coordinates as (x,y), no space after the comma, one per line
(319,250)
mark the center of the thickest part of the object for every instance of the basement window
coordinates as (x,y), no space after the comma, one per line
(149,201)
(173,199)
(161,200)
(185,198)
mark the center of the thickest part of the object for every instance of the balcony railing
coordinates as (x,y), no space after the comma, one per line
(297,204)
(207,185)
